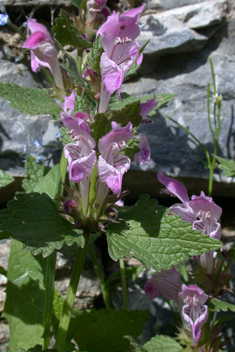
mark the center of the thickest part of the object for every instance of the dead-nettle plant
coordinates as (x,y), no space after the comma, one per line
(99,132)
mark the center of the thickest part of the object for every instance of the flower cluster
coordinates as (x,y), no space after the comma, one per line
(118,35)
(189,299)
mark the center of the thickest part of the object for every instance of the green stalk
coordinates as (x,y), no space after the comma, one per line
(18,30)
(69,300)
(63,168)
(123,276)
(104,290)
(79,61)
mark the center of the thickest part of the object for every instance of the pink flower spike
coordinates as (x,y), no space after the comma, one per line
(166,283)
(194,312)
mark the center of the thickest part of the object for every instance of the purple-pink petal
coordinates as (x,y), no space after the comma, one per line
(136,11)
(194,312)
(68,104)
(34,26)
(147,107)
(34,40)
(166,283)
(143,156)
(117,135)
(175,187)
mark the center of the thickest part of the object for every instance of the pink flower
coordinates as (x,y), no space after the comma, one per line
(120,50)
(111,164)
(166,283)
(43,51)
(207,213)
(194,312)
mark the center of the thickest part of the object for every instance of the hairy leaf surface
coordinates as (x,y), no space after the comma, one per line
(32,101)
(158,240)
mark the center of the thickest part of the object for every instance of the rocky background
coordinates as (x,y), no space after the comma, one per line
(184,35)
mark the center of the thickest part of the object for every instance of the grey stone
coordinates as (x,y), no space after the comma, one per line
(32,2)
(169,4)
(173,31)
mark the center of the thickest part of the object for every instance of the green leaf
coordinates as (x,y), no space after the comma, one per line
(103,330)
(34,220)
(117,104)
(67,34)
(51,183)
(227,165)
(5,179)
(95,54)
(100,126)
(76,3)
(70,66)
(162,343)
(131,149)
(32,101)
(102,122)
(65,137)
(34,173)
(84,103)
(134,67)
(216,305)
(158,240)
(26,307)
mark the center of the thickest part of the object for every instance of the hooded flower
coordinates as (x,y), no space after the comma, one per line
(81,156)
(43,51)
(111,164)
(166,283)
(194,312)
(207,213)
(120,50)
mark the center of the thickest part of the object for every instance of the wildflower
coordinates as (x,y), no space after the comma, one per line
(194,312)
(68,104)
(120,50)
(111,164)
(43,51)
(143,156)
(38,143)
(166,283)
(217,99)
(3,19)
(36,156)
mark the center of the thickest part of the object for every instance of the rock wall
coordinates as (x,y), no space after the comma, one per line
(184,35)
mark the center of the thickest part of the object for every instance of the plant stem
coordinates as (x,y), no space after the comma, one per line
(69,300)
(63,168)
(79,61)
(104,290)
(123,276)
